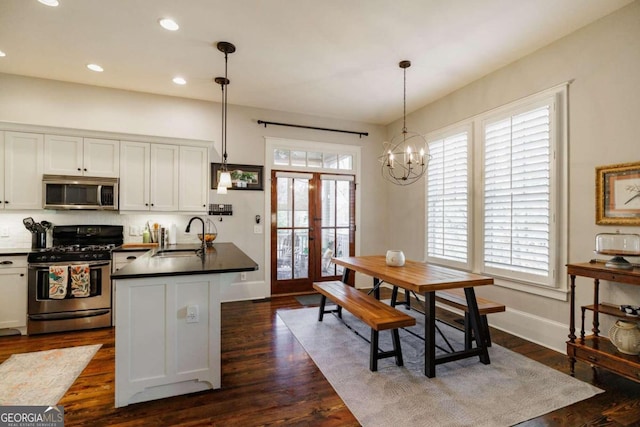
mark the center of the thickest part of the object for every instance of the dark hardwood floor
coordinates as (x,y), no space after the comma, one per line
(268,379)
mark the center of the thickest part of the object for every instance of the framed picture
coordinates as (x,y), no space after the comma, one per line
(618,194)
(243,177)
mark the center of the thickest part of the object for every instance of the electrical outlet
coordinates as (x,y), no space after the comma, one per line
(257,229)
(243,276)
(193,315)
(4,232)
(133,230)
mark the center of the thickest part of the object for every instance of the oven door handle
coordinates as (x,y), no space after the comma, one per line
(43,265)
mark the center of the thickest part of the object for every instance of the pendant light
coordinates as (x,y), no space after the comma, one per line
(405,158)
(225,176)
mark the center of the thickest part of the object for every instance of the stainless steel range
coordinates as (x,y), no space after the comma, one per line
(70,283)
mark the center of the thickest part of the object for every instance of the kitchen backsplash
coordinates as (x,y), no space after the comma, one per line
(13,234)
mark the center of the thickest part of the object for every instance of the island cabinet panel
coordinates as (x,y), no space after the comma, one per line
(167,336)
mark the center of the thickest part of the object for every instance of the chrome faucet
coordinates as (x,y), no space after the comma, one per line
(188,229)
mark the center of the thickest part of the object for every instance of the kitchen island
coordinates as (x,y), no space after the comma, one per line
(167,318)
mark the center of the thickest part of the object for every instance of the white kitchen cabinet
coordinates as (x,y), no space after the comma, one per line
(152,176)
(164,177)
(13,287)
(159,351)
(194,178)
(77,156)
(22,170)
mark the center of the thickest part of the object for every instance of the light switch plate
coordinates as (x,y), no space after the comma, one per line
(257,229)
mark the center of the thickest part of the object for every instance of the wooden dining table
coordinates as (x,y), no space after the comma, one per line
(425,279)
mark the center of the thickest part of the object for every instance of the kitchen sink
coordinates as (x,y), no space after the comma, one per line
(176,253)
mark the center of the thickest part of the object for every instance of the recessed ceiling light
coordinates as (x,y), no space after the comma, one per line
(52,3)
(179,81)
(169,24)
(95,67)
(2,53)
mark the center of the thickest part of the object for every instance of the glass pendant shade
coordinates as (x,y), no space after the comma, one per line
(222,190)
(225,180)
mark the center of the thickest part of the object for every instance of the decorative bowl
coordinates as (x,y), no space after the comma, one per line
(208,238)
(630,310)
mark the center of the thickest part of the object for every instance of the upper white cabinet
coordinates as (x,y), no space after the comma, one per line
(77,156)
(163,177)
(194,178)
(149,176)
(22,170)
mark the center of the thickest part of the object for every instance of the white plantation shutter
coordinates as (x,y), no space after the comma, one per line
(447,199)
(518,160)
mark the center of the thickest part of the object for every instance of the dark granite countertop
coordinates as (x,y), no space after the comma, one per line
(221,258)
(15,251)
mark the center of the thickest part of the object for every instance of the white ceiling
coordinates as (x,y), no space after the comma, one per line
(331,58)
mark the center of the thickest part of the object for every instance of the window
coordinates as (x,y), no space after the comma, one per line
(509,165)
(517,194)
(447,199)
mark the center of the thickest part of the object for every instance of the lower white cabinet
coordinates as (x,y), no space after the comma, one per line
(13,288)
(167,336)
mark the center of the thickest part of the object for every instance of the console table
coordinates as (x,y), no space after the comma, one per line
(594,349)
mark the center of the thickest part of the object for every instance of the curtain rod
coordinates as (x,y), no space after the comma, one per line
(360,134)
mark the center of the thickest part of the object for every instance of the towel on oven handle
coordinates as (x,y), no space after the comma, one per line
(80,280)
(58,277)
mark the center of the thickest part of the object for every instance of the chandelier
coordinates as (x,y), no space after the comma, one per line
(225,176)
(404,159)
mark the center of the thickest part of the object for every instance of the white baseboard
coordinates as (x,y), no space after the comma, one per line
(545,332)
(242,291)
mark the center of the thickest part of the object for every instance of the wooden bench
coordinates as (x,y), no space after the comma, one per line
(456,298)
(376,314)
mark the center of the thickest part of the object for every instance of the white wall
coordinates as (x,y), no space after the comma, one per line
(604,106)
(58,104)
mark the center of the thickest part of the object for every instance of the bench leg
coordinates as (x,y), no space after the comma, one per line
(373,353)
(468,331)
(323,301)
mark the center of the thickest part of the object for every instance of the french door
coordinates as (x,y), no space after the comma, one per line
(312,219)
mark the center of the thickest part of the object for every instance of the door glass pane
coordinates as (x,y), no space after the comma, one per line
(298,158)
(301,194)
(281,157)
(342,202)
(328,203)
(328,249)
(345,162)
(342,242)
(301,254)
(314,160)
(285,256)
(284,202)
(331,161)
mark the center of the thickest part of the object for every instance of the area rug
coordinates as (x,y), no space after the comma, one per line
(41,378)
(510,390)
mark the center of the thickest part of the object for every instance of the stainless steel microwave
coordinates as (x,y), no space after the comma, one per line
(79,192)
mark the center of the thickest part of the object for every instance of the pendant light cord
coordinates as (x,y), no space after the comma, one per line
(224,120)
(404,103)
